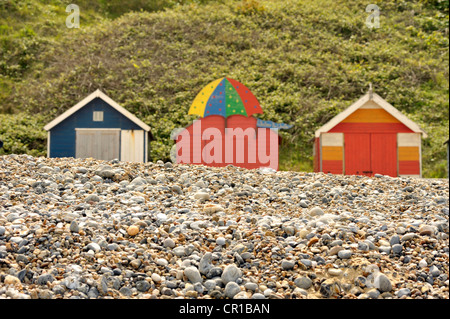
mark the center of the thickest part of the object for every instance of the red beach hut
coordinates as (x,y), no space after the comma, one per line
(369,137)
(226,132)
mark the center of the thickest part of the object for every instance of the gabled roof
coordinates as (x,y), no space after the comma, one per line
(88,99)
(382,103)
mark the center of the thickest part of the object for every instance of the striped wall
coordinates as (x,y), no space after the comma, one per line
(370,118)
(332,152)
(409,150)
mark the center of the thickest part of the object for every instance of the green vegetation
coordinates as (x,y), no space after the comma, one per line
(304,60)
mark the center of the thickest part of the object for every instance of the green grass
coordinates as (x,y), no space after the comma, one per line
(304,60)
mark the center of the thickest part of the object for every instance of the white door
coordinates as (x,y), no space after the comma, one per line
(102,144)
(132,146)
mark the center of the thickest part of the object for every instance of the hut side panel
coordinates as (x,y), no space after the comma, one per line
(332,153)
(409,149)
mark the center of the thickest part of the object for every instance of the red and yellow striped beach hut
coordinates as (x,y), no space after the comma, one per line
(370,137)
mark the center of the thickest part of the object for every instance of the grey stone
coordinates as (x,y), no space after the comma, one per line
(403,292)
(385,249)
(192,274)
(363,246)
(306,262)
(337,242)
(59,289)
(169,243)
(316,211)
(231,273)
(214,272)
(251,286)
(22,258)
(177,189)
(93,246)
(382,283)
(179,251)
(205,263)
(220,241)
(373,293)
(162,262)
(138,181)
(434,271)
(92,198)
(143,285)
(74,228)
(231,289)
(408,236)
(394,240)
(210,284)
(72,282)
(344,254)
(44,278)
(397,248)
(287,264)
(93,292)
(125,291)
(303,203)
(113,246)
(303,282)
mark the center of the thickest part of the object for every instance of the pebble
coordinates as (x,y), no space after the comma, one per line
(403,292)
(82,228)
(382,283)
(303,282)
(156,278)
(335,272)
(251,286)
(423,263)
(397,249)
(426,230)
(205,263)
(345,254)
(287,264)
(133,230)
(221,241)
(11,280)
(193,275)
(169,242)
(231,289)
(316,211)
(74,227)
(231,273)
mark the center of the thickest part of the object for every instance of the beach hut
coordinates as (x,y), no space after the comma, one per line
(448,151)
(226,131)
(370,137)
(100,128)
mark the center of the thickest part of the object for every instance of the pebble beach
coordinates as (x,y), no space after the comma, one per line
(84,228)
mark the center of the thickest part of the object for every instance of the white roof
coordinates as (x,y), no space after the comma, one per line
(378,100)
(88,99)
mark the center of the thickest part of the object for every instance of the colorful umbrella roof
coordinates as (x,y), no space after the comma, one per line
(225,97)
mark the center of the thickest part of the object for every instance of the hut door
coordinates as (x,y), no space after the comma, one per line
(102,144)
(384,154)
(357,154)
(369,154)
(132,145)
